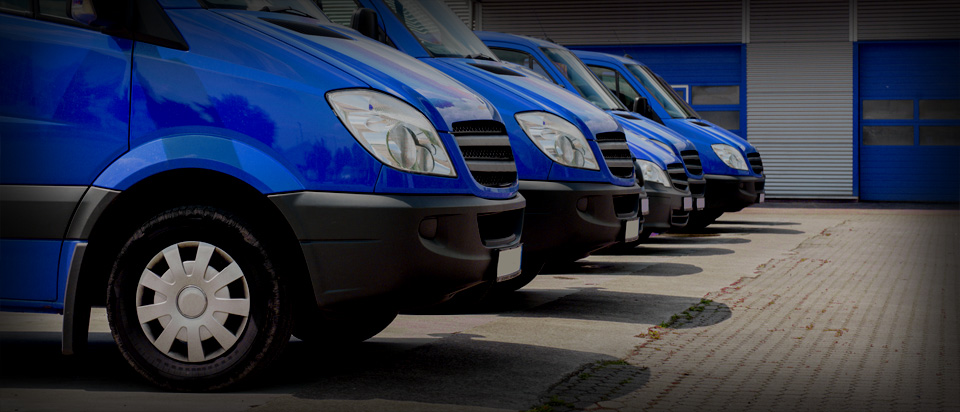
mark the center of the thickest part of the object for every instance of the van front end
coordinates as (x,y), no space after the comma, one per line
(573,163)
(732,166)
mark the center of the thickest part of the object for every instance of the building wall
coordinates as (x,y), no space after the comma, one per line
(800,72)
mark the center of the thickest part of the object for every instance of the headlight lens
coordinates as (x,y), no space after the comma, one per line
(396,133)
(558,139)
(651,172)
(730,155)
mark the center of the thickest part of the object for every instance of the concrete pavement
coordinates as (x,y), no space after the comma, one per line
(864,315)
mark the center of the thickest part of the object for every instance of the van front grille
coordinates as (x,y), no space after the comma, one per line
(486,150)
(692,160)
(755,163)
(679,176)
(613,146)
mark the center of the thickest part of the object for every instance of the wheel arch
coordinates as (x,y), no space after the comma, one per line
(129,209)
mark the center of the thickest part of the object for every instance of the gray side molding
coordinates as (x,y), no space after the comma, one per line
(37,212)
(94,202)
(76,310)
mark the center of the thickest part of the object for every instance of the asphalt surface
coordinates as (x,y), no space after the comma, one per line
(780,307)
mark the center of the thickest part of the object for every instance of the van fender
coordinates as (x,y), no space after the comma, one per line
(245,161)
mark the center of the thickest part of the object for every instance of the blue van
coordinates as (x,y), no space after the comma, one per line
(576,171)
(219,174)
(733,168)
(676,190)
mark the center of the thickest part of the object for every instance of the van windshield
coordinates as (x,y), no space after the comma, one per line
(675,107)
(438,30)
(305,8)
(582,78)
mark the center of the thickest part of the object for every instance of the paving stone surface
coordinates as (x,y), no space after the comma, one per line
(864,315)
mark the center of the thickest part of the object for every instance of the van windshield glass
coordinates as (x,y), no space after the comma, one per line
(675,107)
(582,78)
(438,30)
(305,8)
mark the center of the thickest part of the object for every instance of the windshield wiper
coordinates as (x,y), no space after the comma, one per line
(288,10)
(480,56)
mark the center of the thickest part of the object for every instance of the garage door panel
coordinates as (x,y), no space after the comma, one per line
(909,121)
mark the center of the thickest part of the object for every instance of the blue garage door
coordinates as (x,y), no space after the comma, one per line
(709,77)
(909,121)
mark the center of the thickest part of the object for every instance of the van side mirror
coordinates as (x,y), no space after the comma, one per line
(642,106)
(83,11)
(364,20)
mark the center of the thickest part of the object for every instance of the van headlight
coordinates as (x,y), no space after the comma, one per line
(730,155)
(559,139)
(393,131)
(651,172)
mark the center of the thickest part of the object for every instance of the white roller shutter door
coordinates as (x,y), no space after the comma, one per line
(577,22)
(800,117)
(908,20)
(463,9)
(800,96)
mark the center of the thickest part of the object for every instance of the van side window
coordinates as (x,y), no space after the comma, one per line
(16,6)
(617,84)
(55,8)
(521,58)
(339,11)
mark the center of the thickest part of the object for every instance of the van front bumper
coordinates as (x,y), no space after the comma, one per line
(733,193)
(408,250)
(666,209)
(569,220)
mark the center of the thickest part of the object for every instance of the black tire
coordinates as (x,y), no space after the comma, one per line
(203,361)
(530,267)
(344,327)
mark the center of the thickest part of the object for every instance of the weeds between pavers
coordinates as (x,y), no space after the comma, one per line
(654,333)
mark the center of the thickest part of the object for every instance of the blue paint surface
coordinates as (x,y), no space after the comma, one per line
(28,269)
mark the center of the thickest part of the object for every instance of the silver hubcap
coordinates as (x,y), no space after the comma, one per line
(193,301)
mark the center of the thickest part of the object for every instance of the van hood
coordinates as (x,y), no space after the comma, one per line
(441,98)
(534,93)
(643,148)
(697,129)
(653,130)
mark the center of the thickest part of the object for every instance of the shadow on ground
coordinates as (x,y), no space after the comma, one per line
(599,267)
(722,227)
(645,250)
(33,360)
(587,303)
(714,239)
(458,369)
(593,383)
(754,223)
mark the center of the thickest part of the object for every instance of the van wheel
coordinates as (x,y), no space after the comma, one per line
(194,301)
(344,327)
